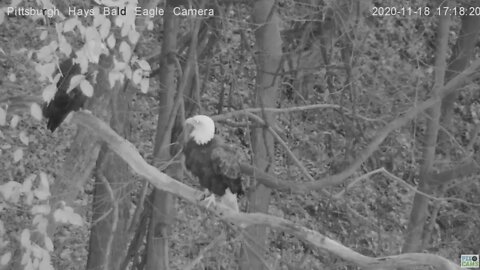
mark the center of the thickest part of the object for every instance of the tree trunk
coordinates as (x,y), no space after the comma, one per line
(419,212)
(82,157)
(269,46)
(462,53)
(163,213)
(107,237)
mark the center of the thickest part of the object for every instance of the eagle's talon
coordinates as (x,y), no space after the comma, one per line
(215,164)
(203,194)
(210,200)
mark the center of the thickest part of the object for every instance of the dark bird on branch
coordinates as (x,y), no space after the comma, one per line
(64,101)
(214,163)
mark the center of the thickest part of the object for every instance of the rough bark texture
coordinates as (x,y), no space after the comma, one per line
(312,238)
(269,45)
(109,236)
(163,213)
(111,168)
(462,53)
(82,157)
(419,212)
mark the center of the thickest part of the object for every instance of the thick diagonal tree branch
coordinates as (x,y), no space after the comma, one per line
(130,155)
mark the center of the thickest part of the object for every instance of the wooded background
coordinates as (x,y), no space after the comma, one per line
(358,136)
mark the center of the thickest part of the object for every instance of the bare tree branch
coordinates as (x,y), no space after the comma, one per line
(290,109)
(130,155)
(453,85)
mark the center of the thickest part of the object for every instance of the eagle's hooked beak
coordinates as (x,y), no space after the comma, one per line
(189,126)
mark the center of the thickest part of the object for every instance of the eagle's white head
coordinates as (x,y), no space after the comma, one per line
(202,128)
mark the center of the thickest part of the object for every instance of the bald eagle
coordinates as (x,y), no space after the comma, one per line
(215,164)
(57,109)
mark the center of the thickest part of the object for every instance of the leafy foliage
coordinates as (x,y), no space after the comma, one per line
(375,67)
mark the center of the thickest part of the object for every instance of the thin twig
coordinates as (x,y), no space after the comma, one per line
(287,150)
(132,157)
(291,109)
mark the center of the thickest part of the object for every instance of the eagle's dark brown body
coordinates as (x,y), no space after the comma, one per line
(215,164)
(63,103)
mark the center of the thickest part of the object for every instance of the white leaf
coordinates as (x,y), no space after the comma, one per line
(4,244)
(17,155)
(125,51)
(26,258)
(46,53)
(56,78)
(133,36)
(109,3)
(87,88)
(5,259)
(28,183)
(29,265)
(67,215)
(94,46)
(36,111)
(43,35)
(144,85)
(91,34)
(111,41)
(15,3)
(119,21)
(48,244)
(36,218)
(105,28)
(23,137)
(12,77)
(65,47)
(3,117)
(134,59)
(150,25)
(128,72)
(43,190)
(70,24)
(113,77)
(144,65)
(49,92)
(2,228)
(46,71)
(14,121)
(75,81)
(11,191)
(119,66)
(25,238)
(99,18)
(82,60)
(45,265)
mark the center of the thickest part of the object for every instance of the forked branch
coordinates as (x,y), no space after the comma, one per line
(130,155)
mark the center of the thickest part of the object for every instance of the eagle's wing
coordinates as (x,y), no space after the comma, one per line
(225,162)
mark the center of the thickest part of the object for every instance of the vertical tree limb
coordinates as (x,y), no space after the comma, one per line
(419,213)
